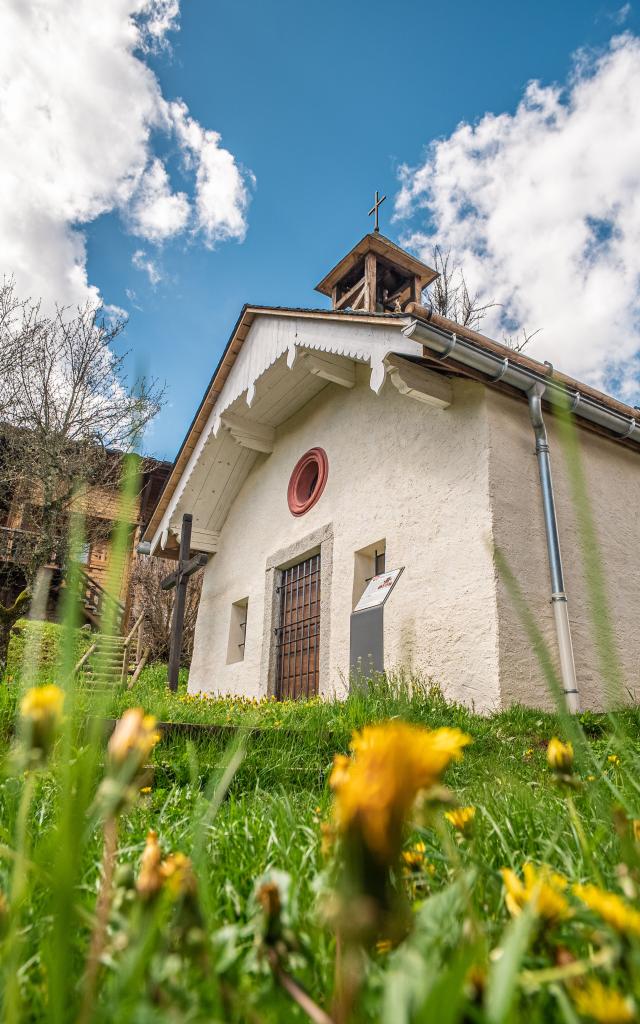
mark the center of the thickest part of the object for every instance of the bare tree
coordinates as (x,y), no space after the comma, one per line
(146,576)
(68,416)
(450,297)
(516,342)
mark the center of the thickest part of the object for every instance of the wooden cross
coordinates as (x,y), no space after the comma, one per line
(374,209)
(179,579)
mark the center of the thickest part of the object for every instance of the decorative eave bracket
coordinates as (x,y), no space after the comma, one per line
(335,369)
(205,541)
(259,437)
(419,383)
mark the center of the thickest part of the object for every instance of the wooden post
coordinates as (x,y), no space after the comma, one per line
(139,641)
(179,579)
(177,623)
(370,282)
(417,291)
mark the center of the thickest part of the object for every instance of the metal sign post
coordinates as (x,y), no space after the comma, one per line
(366,650)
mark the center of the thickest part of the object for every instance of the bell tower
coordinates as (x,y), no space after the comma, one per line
(376,276)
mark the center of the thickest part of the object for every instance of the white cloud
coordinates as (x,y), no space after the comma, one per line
(141,261)
(621,15)
(159,17)
(542,209)
(78,107)
(221,192)
(158,213)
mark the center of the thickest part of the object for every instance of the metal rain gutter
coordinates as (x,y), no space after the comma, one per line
(445,344)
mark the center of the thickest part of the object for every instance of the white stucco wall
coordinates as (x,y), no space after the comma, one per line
(400,471)
(612,474)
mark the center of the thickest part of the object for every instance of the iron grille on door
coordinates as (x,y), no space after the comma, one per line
(298,631)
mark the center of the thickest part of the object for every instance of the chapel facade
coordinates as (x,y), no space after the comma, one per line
(335,445)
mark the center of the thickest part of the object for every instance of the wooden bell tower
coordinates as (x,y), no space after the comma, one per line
(377,276)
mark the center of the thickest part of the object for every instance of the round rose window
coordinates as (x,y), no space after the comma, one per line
(307,481)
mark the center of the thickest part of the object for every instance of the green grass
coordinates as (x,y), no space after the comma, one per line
(248,801)
(48,637)
(270,820)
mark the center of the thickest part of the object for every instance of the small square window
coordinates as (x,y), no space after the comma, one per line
(368,562)
(237,631)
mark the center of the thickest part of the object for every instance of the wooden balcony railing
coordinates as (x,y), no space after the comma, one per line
(98,604)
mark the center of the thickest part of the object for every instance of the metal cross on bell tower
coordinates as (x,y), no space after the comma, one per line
(374,209)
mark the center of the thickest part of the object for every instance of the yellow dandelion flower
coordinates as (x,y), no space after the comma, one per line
(591,778)
(615,911)
(613,759)
(145,790)
(41,713)
(177,874)
(133,738)
(602,1004)
(542,887)
(384,946)
(375,788)
(560,755)
(413,860)
(461,818)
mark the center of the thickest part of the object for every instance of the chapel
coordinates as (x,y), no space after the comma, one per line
(373,486)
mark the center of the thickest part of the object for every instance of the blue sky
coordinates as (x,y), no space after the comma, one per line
(322,103)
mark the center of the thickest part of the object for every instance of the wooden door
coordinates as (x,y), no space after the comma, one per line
(298,631)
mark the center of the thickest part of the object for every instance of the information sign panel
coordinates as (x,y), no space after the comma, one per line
(378,589)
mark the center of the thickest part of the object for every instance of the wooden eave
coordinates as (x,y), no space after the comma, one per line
(222,371)
(385,249)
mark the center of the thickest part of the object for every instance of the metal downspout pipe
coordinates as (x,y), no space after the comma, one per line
(558,595)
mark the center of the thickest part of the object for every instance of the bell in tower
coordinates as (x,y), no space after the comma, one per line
(377,276)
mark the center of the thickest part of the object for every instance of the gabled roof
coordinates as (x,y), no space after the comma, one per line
(382,247)
(248,315)
(221,372)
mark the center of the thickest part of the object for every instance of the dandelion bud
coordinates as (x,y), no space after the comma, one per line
(560,756)
(133,739)
(41,712)
(150,879)
(268,896)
